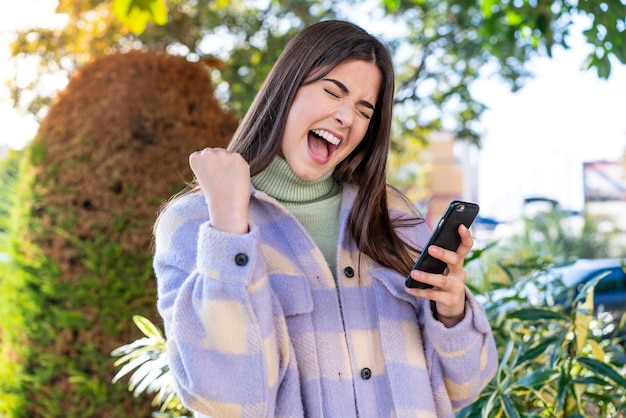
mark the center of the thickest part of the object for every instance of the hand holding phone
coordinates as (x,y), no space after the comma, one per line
(445,235)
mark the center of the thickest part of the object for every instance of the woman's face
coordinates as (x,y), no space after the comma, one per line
(329,118)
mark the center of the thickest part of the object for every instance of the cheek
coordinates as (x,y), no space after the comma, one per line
(354,144)
(296,119)
(359,134)
(305,103)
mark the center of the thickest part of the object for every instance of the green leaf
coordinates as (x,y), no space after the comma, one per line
(537,350)
(537,378)
(603,369)
(147,374)
(555,353)
(487,7)
(488,407)
(535,314)
(148,328)
(604,67)
(136,363)
(590,285)
(391,5)
(158,11)
(509,408)
(507,353)
(592,380)
(135,14)
(514,19)
(562,389)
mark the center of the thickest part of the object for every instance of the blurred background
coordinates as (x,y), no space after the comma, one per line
(533,142)
(517,105)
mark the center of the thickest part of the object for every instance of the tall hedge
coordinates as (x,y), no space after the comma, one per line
(77,250)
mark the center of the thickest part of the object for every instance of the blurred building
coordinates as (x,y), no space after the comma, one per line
(604,184)
(604,190)
(453,174)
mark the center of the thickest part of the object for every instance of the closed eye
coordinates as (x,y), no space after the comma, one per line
(365,115)
(332,93)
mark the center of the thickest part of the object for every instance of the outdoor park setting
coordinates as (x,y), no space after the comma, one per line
(108,98)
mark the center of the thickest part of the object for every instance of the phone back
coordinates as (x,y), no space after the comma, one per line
(445,235)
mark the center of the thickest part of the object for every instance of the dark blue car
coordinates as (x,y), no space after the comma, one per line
(609,292)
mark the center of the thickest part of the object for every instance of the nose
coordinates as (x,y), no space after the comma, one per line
(345,114)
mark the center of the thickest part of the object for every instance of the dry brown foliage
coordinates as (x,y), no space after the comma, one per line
(117,141)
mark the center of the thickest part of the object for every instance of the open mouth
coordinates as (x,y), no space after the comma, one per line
(322,145)
(326,136)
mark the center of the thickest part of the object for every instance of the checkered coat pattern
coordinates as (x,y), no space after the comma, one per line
(257,325)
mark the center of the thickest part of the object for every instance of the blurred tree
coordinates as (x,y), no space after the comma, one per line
(249,37)
(136,14)
(441,47)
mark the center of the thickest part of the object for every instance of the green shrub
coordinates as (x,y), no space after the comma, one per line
(11,321)
(76,230)
(51,361)
(554,363)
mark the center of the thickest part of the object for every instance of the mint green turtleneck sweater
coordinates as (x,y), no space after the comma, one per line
(315,204)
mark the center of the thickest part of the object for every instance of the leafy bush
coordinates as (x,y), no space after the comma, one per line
(11,321)
(48,367)
(554,363)
(76,232)
(147,356)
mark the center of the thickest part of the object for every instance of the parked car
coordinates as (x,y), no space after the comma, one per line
(561,284)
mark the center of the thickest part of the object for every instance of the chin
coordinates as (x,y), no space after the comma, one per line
(310,175)
(309,178)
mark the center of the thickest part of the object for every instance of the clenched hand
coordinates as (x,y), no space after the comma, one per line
(224,179)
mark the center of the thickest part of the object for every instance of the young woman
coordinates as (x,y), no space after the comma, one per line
(281,274)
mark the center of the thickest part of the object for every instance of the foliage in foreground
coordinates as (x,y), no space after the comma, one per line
(147,357)
(554,363)
(11,371)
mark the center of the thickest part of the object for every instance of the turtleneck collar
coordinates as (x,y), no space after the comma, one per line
(279,181)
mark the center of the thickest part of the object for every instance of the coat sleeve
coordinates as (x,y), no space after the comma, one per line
(462,359)
(227,350)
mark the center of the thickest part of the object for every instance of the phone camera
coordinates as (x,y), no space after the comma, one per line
(460,208)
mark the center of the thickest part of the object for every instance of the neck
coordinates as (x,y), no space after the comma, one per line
(279,181)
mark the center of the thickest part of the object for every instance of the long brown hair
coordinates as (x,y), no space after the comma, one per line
(308,57)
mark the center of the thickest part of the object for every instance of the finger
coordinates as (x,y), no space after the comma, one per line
(424,278)
(196,157)
(447,256)
(438,293)
(467,242)
(445,289)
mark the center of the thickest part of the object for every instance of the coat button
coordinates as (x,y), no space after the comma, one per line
(241,259)
(348,271)
(366,373)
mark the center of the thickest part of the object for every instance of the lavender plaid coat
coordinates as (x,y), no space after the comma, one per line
(256,325)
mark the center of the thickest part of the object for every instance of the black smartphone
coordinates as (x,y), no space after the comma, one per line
(445,235)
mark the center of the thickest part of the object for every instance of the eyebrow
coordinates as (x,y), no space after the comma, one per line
(345,90)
